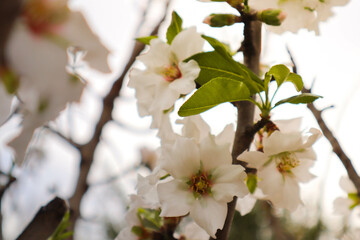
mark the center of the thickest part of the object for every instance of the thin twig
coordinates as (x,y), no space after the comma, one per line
(62,136)
(336,147)
(87,151)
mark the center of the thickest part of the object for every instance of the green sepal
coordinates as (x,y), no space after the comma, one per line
(175,27)
(251,182)
(281,74)
(10,81)
(146,40)
(213,93)
(137,231)
(61,231)
(299,99)
(150,218)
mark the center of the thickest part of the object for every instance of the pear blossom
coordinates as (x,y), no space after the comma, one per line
(204,181)
(166,76)
(343,205)
(36,51)
(284,163)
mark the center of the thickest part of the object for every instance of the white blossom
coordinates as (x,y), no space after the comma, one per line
(166,76)
(299,13)
(204,181)
(36,52)
(284,163)
(344,205)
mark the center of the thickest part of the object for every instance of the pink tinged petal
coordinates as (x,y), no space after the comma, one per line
(289,125)
(270,180)
(190,71)
(164,97)
(254,159)
(181,159)
(282,142)
(291,195)
(315,135)
(347,185)
(213,155)
(209,214)
(77,31)
(175,198)
(187,43)
(158,55)
(246,204)
(228,182)
(342,206)
(307,153)
(302,173)
(194,127)
(226,136)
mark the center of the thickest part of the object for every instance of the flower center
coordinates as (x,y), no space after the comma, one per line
(200,184)
(171,72)
(43,16)
(286,161)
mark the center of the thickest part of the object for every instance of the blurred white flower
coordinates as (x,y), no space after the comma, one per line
(36,52)
(343,205)
(166,76)
(204,181)
(284,163)
(299,13)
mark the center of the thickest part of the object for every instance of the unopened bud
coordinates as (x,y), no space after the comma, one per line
(272,17)
(220,20)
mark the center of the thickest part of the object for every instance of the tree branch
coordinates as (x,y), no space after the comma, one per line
(87,151)
(45,221)
(251,47)
(336,147)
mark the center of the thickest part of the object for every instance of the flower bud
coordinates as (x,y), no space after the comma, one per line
(272,17)
(220,20)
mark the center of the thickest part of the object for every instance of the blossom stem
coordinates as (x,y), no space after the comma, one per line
(251,47)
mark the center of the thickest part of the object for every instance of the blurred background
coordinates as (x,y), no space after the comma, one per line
(328,62)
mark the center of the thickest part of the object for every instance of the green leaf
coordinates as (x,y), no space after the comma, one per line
(223,50)
(299,99)
(296,80)
(251,182)
(146,40)
(280,73)
(213,65)
(211,94)
(175,27)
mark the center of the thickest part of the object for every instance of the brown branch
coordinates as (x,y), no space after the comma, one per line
(45,221)
(63,137)
(87,150)
(251,47)
(336,147)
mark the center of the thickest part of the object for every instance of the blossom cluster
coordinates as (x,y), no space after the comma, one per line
(195,177)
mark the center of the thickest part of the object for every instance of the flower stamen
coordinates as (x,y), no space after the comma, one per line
(171,72)
(286,161)
(200,184)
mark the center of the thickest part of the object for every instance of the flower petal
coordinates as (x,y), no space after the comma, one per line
(213,155)
(187,43)
(175,200)
(209,214)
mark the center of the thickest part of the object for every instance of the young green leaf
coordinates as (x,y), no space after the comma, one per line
(280,73)
(251,182)
(146,40)
(296,80)
(211,94)
(213,65)
(175,27)
(298,99)
(224,52)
